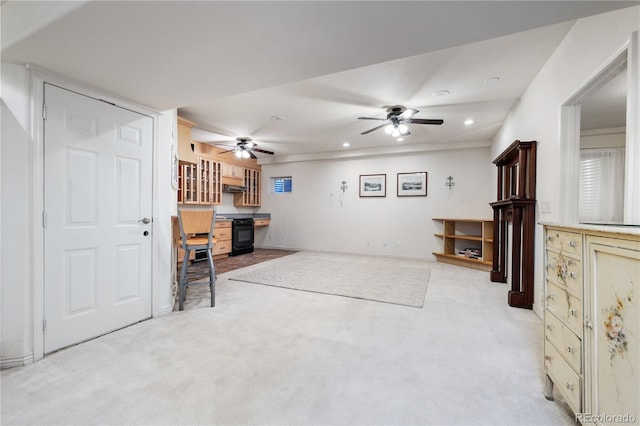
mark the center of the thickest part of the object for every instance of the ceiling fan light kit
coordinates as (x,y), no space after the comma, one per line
(398,120)
(245,148)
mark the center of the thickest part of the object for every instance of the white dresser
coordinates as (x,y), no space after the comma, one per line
(592,321)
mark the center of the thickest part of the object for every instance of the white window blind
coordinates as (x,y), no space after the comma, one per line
(601,196)
(282,184)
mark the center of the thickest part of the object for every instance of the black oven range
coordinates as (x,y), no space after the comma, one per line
(242,236)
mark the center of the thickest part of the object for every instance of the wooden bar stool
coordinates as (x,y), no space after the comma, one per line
(196,233)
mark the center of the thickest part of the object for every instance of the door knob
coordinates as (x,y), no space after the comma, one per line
(145,220)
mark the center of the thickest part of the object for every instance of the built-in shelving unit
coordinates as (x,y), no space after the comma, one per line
(466,242)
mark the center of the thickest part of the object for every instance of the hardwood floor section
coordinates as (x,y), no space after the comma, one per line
(200,270)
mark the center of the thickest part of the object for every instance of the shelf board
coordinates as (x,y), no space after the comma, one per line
(462,220)
(465,237)
(464,261)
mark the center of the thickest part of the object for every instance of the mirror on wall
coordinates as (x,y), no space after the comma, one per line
(602,149)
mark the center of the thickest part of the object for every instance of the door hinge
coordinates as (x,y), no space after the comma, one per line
(44,111)
(44,219)
(44,325)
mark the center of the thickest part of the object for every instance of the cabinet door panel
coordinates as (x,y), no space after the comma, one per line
(614,283)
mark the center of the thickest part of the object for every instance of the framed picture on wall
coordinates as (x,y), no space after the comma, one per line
(373,185)
(412,184)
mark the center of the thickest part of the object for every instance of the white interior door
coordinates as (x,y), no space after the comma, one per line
(97,228)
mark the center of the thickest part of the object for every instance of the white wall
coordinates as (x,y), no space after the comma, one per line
(604,138)
(318,216)
(588,46)
(17,322)
(20,226)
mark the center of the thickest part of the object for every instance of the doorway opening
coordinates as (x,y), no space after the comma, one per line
(600,147)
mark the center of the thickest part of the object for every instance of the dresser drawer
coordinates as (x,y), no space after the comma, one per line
(222,234)
(565,379)
(262,222)
(222,224)
(567,242)
(564,340)
(565,270)
(565,306)
(222,247)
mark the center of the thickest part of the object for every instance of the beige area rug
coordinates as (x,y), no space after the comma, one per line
(380,279)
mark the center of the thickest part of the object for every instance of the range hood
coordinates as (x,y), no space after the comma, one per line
(233,188)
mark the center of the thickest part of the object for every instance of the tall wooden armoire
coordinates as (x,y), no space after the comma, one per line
(514,221)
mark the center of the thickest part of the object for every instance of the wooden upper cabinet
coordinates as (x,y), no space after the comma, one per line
(204,168)
(252,195)
(185,150)
(210,182)
(187,183)
(232,174)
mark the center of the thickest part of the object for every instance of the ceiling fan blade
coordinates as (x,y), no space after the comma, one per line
(408,113)
(252,154)
(224,152)
(371,118)
(264,151)
(374,129)
(426,121)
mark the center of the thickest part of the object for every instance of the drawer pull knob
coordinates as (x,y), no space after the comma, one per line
(570,349)
(573,312)
(572,243)
(547,358)
(572,275)
(549,238)
(549,327)
(570,386)
(588,323)
(550,296)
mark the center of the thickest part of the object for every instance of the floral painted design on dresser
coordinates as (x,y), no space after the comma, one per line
(562,268)
(614,326)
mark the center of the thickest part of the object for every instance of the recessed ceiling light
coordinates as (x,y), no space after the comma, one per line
(277,117)
(440,93)
(346,144)
(468,122)
(492,80)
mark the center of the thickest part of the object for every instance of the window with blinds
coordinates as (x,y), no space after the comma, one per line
(601,196)
(281,185)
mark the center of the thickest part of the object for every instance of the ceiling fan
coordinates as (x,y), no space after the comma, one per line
(245,148)
(398,119)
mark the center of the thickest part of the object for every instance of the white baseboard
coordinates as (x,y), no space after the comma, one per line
(164,311)
(12,361)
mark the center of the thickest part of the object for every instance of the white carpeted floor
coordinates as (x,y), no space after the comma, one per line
(388,280)
(268,355)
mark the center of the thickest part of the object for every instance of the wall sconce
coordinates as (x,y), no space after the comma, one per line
(450,183)
(343,187)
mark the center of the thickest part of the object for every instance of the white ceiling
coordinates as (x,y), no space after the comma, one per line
(230,66)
